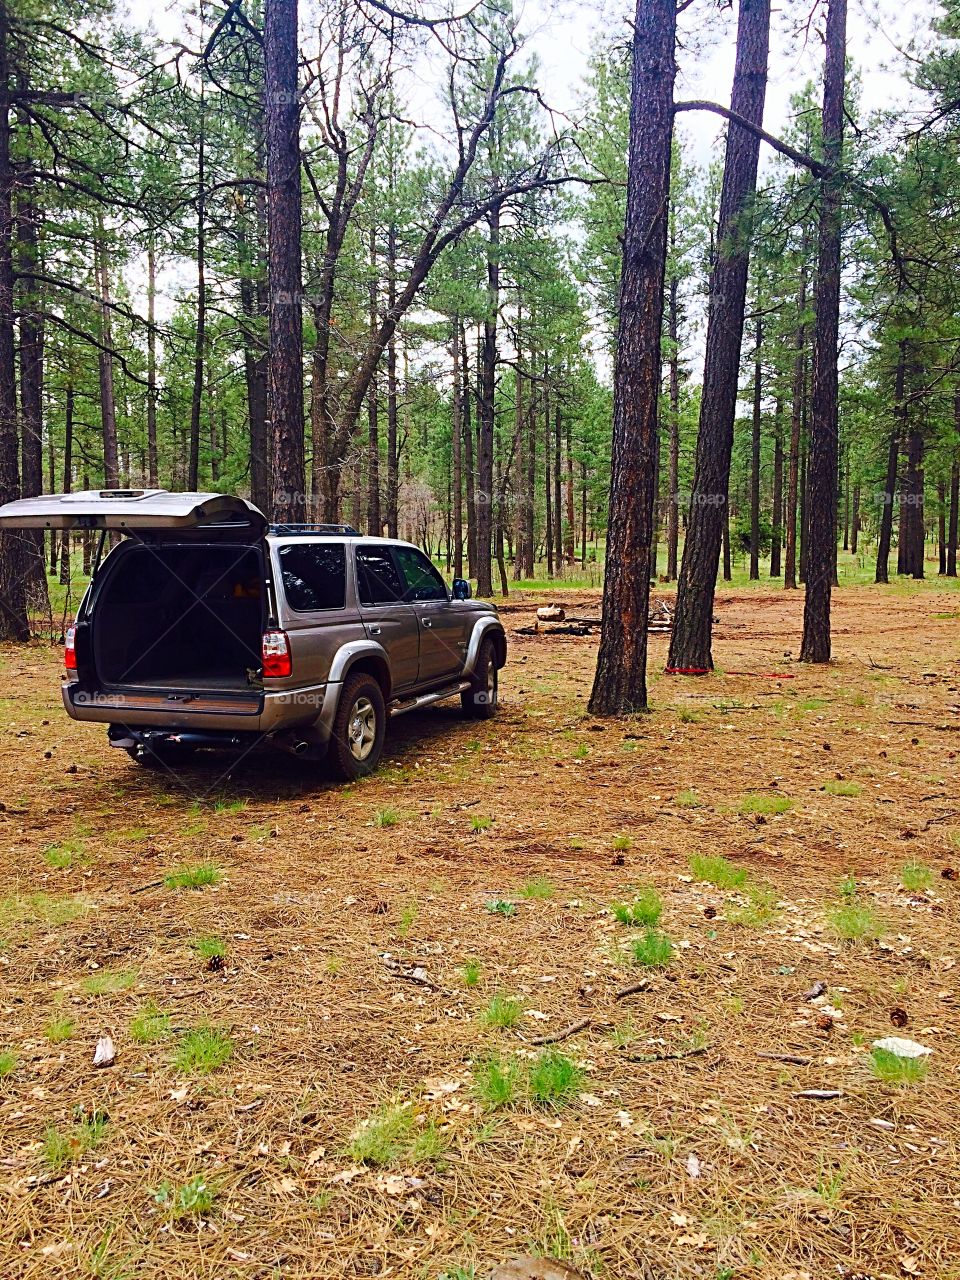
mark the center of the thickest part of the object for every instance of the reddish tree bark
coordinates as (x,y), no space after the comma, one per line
(822,464)
(620,684)
(285,355)
(696,585)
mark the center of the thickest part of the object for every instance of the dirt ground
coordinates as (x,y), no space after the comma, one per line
(363,946)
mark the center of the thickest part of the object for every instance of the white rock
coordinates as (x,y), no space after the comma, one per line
(902,1048)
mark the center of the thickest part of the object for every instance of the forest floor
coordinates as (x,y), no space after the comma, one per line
(392,950)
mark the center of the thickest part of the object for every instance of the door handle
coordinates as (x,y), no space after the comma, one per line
(374,631)
(427,622)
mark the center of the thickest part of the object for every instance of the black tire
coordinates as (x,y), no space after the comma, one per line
(356,742)
(481,700)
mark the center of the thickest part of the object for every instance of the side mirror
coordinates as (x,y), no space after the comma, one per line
(461,589)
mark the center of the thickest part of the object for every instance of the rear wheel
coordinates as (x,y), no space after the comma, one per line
(356,742)
(479,702)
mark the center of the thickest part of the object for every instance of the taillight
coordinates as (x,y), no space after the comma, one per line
(70,649)
(276,655)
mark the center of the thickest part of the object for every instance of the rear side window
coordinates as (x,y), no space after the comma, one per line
(314,576)
(378,581)
(422,579)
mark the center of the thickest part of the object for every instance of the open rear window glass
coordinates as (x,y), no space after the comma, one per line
(314,575)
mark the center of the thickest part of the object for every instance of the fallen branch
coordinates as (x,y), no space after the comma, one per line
(665,1057)
(632,989)
(142,888)
(795,1059)
(564,1033)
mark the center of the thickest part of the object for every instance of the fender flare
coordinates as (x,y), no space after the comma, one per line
(482,627)
(346,657)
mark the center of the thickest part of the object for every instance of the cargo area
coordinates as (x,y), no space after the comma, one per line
(179,616)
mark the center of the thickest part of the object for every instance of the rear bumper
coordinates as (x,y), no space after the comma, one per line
(271,712)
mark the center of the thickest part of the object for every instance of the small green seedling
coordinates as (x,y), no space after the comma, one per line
(197,877)
(688,800)
(916,878)
(150,1024)
(471,973)
(386,817)
(191,1200)
(495,1081)
(8,1063)
(553,1077)
(856,922)
(59,1028)
(500,907)
(654,950)
(479,823)
(719,871)
(537,888)
(622,843)
(202,1050)
(502,1011)
(645,909)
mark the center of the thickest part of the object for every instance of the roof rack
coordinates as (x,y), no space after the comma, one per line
(347,530)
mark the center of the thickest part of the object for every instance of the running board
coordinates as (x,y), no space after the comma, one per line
(428,699)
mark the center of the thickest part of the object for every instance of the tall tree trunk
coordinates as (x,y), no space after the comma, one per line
(620,683)
(557,492)
(529,512)
(776,543)
(67,477)
(547,469)
(253,307)
(822,466)
(796,424)
(942,525)
(152,472)
(520,496)
(727,567)
(846,499)
(393,461)
(912,533)
(690,642)
(855,521)
(285,356)
(954,513)
(31,391)
(673,461)
(200,347)
(487,408)
(583,515)
(468,454)
(457,450)
(570,529)
(890,482)
(374,518)
(755,456)
(108,404)
(13,609)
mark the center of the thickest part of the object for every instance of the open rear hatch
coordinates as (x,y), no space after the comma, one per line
(174,616)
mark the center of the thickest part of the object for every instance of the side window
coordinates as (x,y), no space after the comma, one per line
(378,581)
(314,575)
(422,579)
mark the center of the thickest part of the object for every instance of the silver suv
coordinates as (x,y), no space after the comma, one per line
(204,626)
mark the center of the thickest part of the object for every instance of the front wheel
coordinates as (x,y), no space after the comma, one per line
(356,742)
(479,702)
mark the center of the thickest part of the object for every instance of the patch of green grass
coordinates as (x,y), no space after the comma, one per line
(59,1028)
(892,1069)
(717,870)
(688,800)
(383,1137)
(502,1011)
(428,1145)
(62,856)
(192,1199)
(40,908)
(194,877)
(8,1062)
(759,909)
(915,877)
(479,823)
(408,918)
(222,805)
(686,716)
(855,922)
(495,1081)
(645,909)
(333,965)
(623,1033)
(500,907)
(622,843)
(150,1024)
(537,888)
(758,802)
(848,888)
(62,1148)
(108,982)
(654,950)
(839,787)
(202,1050)
(386,817)
(209,948)
(470,972)
(135,834)
(811,704)
(552,1078)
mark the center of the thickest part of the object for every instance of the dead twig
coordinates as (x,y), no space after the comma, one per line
(666,1057)
(142,888)
(796,1059)
(554,1037)
(632,989)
